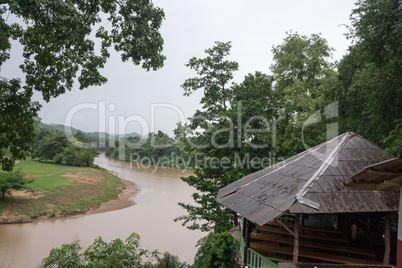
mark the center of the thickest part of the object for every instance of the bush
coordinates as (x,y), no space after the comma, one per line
(117,253)
(216,250)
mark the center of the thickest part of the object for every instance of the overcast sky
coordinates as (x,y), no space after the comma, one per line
(190,27)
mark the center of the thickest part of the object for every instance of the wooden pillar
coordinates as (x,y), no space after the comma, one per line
(399,246)
(243,231)
(246,227)
(387,239)
(296,239)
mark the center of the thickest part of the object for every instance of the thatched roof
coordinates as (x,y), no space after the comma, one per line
(311,182)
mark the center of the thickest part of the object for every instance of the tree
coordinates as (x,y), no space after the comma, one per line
(57,48)
(301,70)
(54,145)
(17,119)
(370,76)
(262,123)
(214,75)
(226,139)
(12,181)
(216,250)
(377,28)
(117,253)
(49,147)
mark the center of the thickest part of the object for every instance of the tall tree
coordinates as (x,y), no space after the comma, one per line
(229,139)
(57,48)
(214,77)
(301,70)
(370,75)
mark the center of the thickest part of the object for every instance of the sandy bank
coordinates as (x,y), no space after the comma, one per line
(124,200)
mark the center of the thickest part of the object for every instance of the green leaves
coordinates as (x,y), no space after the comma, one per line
(248,126)
(217,250)
(17,115)
(370,77)
(12,181)
(377,25)
(117,253)
(214,74)
(58,49)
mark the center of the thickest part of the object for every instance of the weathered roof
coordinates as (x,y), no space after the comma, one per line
(314,177)
(384,176)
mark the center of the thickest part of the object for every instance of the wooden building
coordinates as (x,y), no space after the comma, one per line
(383,176)
(300,210)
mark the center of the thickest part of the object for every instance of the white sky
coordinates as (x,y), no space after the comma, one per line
(191,26)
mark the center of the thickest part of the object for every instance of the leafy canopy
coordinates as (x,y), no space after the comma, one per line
(370,75)
(117,253)
(12,181)
(59,47)
(217,250)
(260,125)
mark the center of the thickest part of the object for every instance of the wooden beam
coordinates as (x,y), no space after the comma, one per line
(311,244)
(332,238)
(361,186)
(399,178)
(384,172)
(387,184)
(287,228)
(296,239)
(309,228)
(387,239)
(313,254)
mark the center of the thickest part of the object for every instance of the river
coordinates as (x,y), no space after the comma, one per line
(25,245)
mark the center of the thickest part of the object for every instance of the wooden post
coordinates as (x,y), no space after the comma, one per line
(399,245)
(246,239)
(243,230)
(296,239)
(387,239)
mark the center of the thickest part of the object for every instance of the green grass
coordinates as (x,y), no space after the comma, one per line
(49,182)
(3,204)
(34,167)
(57,194)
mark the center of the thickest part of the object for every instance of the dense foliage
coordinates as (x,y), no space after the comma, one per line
(309,99)
(262,121)
(156,149)
(370,75)
(117,253)
(54,145)
(14,180)
(58,48)
(216,250)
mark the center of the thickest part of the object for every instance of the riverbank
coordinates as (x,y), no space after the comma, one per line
(59,191)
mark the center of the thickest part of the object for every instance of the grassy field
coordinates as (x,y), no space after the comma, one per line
(58,190)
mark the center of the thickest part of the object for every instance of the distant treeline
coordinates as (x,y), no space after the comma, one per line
(81,149)
(54,145)
(156,149)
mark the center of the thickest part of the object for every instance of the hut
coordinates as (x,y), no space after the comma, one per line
(301,210)
(383,176)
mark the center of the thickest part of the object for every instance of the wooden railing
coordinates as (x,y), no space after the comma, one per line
(254,259)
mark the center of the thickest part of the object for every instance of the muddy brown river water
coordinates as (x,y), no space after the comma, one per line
(25,245)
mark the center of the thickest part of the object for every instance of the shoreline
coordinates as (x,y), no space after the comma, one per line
(123,200)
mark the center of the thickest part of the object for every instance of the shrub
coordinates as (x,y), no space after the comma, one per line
(216,250)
